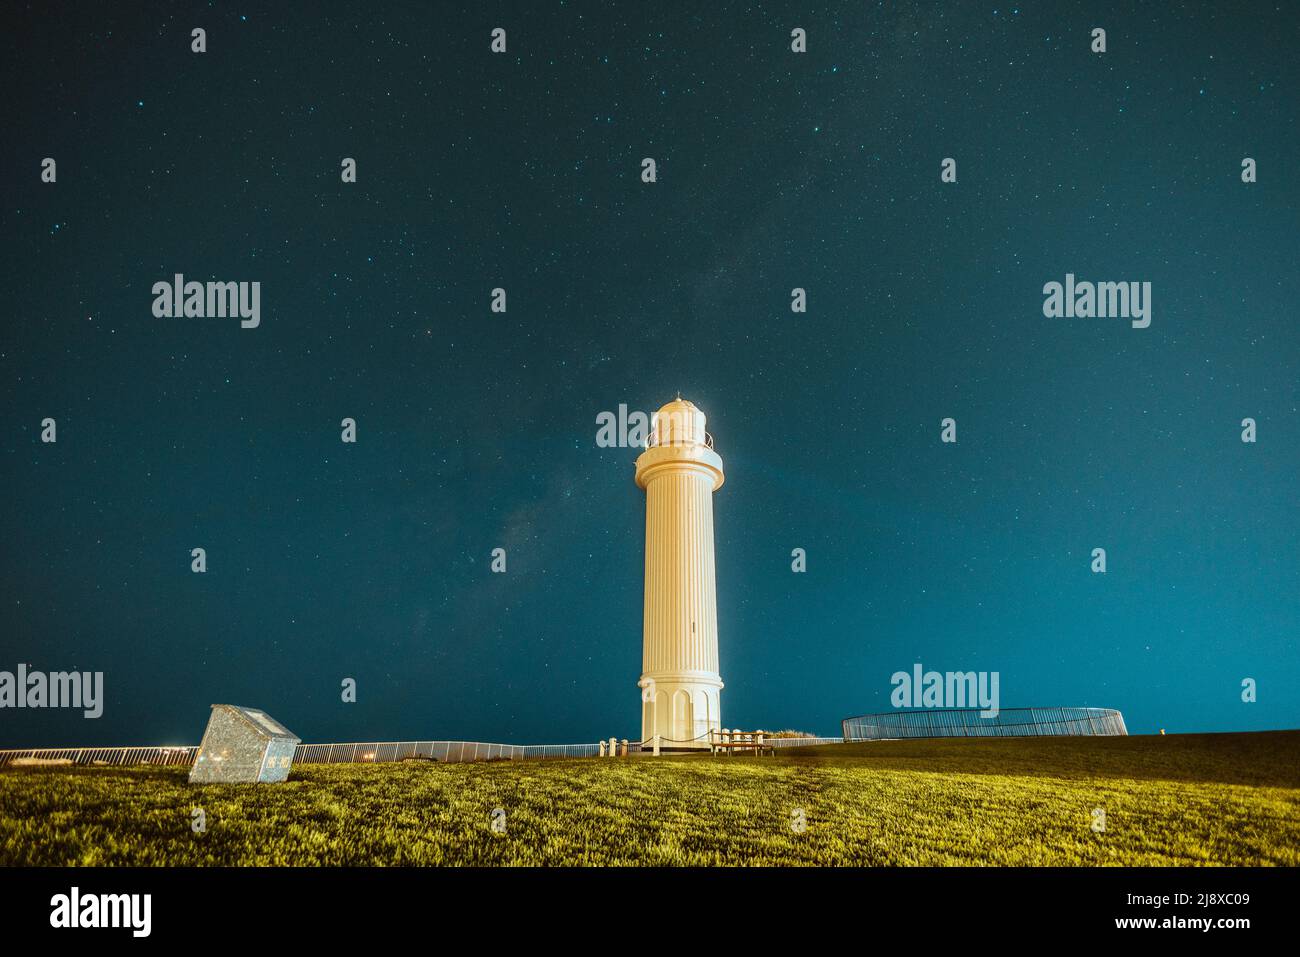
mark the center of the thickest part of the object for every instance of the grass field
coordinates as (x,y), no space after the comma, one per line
(1187,799)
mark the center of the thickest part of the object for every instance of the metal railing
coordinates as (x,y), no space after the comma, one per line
(722,738)
(652,440)
(448,752)
(800,742)
(377,752)
(971,723)
(115,756)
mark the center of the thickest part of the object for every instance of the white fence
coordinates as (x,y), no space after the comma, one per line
(729,741)
(800,742)
(119,756)
(446,752)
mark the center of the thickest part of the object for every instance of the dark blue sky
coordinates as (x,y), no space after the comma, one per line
(477,430)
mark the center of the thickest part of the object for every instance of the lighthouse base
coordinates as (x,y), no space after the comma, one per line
(681,712)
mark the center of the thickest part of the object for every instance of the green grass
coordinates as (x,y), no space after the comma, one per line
(1187,799)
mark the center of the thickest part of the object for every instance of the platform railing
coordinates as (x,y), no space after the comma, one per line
(653,440)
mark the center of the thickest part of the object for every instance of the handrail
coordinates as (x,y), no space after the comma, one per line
(652,441)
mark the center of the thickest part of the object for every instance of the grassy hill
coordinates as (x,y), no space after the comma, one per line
(1185,799)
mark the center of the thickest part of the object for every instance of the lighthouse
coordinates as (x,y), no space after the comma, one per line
(680,684)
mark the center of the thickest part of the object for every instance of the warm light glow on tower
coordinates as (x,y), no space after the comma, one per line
(679,669)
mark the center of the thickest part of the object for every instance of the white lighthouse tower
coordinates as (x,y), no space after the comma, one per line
(679,667)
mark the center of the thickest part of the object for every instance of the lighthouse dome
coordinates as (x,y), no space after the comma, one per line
(678,422)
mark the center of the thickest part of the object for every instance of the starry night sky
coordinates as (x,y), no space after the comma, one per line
(477,430)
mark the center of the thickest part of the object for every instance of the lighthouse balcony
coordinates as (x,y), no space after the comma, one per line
(654,439)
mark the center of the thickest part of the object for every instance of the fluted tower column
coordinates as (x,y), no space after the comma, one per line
(679,471)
